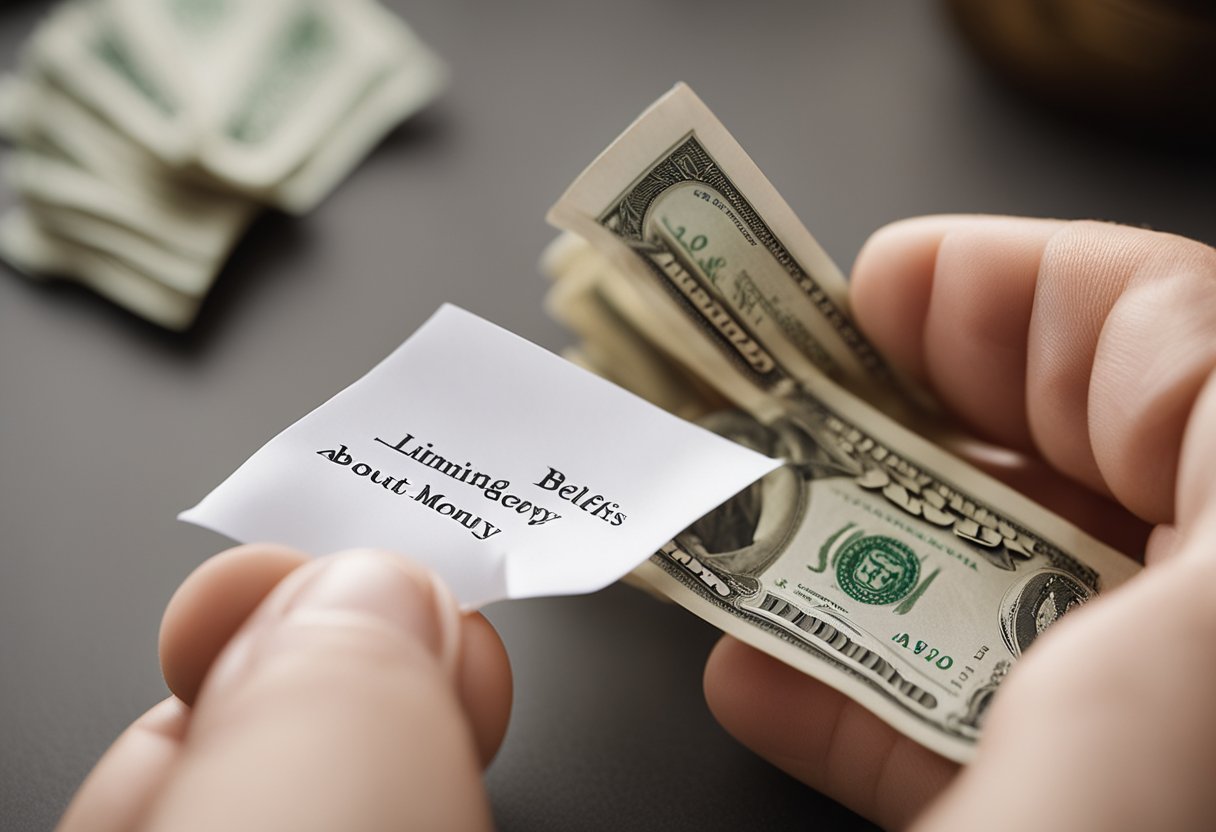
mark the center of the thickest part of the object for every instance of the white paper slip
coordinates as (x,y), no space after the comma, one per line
(506,469)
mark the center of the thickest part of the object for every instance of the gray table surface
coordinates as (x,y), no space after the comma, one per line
(861,113)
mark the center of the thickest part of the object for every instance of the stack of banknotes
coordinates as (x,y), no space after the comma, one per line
(873,560)
(149,133)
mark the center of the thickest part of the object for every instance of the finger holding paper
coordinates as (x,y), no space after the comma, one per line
(335,703)
(216,600)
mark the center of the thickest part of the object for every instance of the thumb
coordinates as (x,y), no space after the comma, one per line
(334,707)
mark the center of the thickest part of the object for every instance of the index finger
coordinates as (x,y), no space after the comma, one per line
(1085,343)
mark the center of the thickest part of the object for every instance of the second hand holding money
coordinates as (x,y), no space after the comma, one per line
(1085,348)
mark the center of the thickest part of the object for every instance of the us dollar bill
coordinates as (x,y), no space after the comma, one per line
(701,239)
(149,133)
(611,345)
(872,560)
(287,95)
(877,563)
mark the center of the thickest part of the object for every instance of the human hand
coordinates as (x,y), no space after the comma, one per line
(346,692)
(1087,350)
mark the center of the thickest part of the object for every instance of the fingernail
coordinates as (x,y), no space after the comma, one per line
(351,588)
(388,589)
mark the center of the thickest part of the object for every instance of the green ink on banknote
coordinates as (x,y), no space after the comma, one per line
(906,605)
(116,55)
(877,570)
(827,547)
(710,266)
(199,18)
(306,47)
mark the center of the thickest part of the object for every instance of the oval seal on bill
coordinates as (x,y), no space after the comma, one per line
(1035,603)
(877,569)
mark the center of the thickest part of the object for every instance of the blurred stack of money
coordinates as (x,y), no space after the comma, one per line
(872,560)
(149,133)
